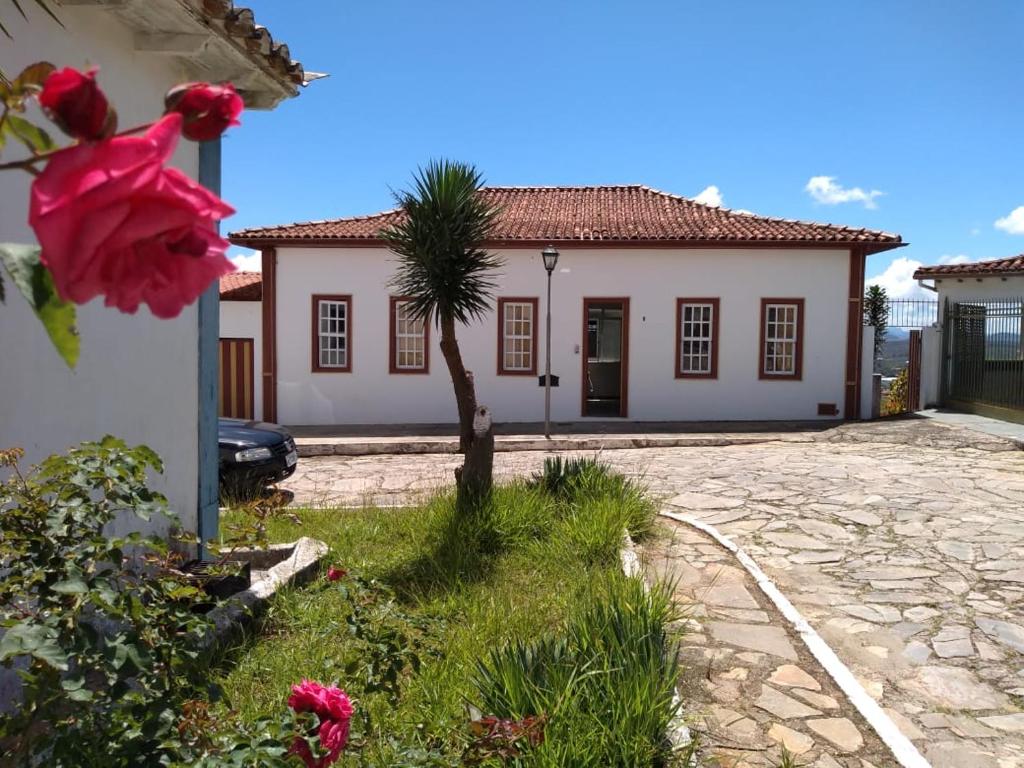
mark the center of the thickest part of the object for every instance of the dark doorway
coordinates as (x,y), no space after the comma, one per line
(605,357)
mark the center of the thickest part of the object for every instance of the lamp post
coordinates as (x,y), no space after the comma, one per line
(550,257)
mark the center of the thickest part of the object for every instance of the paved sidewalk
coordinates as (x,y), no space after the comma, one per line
(749,685)
(994,427)
(359,440)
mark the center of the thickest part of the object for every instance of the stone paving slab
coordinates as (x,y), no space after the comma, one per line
(901,541)
(750,688)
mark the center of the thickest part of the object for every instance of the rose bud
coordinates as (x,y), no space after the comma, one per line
(208,109)
(77,105)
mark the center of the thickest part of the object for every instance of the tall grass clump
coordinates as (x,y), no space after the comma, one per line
(603,688)
(582,482)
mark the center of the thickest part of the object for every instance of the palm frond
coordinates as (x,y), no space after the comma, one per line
(442,265)
(17,5)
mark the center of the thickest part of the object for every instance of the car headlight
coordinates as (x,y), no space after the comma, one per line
(253,454)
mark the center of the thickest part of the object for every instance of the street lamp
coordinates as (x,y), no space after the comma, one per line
(550,257)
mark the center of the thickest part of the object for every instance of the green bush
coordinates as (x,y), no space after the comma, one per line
(604,688)
(109,632)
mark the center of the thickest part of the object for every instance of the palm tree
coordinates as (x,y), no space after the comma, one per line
(448,277)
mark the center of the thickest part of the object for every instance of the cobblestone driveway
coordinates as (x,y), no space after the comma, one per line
(901,542)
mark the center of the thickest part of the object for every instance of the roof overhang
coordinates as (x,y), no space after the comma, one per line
(211,40)
(299,242)
(922,275)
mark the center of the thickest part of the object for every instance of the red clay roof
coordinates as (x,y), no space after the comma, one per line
(615,214)
(241,286)
(1014,265)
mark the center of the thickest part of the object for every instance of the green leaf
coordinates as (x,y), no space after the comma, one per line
(72,586)
(32,77)
(31,135)
(30,639)
(35,283)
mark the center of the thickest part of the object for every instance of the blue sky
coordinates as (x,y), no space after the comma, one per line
(903,116)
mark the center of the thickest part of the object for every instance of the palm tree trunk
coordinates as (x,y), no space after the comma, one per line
(462,381)
(476,433)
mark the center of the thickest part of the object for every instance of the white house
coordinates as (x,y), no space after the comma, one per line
(991,279)
(143,379)
(973,359)
(662,309)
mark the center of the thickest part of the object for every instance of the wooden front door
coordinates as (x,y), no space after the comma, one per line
(605,357)
(236,379)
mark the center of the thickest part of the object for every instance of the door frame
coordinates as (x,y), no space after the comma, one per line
(624,353)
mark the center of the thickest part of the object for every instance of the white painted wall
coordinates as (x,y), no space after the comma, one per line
(244,320)
(653,279)
(931,366)
(138,376)
(965,288)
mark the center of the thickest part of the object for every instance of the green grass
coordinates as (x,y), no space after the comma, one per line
(436,605)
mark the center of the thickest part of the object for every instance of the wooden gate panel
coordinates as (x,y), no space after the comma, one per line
(236,379)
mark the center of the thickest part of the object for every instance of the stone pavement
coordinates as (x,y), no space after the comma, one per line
(749,686)
(899,540)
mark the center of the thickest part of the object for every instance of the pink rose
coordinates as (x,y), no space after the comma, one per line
(75,103)
(113,221)
(334,711)
(334,574)
(208,109)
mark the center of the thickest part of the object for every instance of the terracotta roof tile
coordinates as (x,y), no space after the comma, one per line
(1014,265)
(632,213)
(239,24)
(241,286)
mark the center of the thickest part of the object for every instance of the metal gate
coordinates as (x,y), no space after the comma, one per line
(984,343)
(914,372)
(236,378)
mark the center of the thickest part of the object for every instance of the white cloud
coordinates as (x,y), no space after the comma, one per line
(898,278)
(1013,222)
(958,259)
(826,191)
(247,261)
(710,196)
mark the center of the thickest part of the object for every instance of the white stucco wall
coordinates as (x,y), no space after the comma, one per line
(244,320)
(137,377)
(652,279)
(965,288)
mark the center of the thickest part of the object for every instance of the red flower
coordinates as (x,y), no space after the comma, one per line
(75,103)
(208,109)
(112,220)
(333,573)
(334,711)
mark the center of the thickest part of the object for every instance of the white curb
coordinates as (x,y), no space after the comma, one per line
(678,732)
(901,747)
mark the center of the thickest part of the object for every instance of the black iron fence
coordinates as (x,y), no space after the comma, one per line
(911,313)
(984,343)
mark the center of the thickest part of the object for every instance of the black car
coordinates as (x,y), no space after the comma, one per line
(253,454)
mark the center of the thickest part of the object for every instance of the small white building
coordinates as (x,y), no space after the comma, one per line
(139,378)
(973,358)
(991,279)
(663,309)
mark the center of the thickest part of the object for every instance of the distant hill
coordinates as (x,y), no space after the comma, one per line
(895,352)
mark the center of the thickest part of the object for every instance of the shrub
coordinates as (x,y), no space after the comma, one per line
(107,631)
(897,401)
